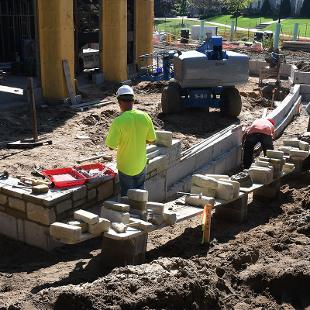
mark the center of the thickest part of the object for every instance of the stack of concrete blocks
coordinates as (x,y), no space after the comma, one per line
(137,199)
(26,217)
(299,77)
(297,151)
(286,110)
(255,67)
(218,154)
(161,156)
(116,212)
(74,231)
(144,209)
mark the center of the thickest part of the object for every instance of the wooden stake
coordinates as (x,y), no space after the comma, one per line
(33,109)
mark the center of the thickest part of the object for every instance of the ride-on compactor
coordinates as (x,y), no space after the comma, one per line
(206,78)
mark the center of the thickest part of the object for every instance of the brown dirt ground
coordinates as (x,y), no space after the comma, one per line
(261,264)
(63,125)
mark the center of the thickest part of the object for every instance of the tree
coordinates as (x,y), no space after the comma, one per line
(236,7)
(183,7)
(266,9)
(285,8)
(305,9)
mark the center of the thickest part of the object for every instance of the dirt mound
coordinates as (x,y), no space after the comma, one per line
(303,66)
(261,264)
(150,87)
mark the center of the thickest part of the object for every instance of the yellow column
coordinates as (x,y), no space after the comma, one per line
(144,23)
(56,36)
(114,40)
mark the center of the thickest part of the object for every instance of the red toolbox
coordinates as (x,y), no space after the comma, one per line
(95,171)
(65,177)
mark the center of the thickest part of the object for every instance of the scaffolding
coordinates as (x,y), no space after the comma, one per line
(17,30)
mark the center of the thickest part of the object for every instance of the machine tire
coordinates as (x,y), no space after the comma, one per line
(231,102)
(171,98)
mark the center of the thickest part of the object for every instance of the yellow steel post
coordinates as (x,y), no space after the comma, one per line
(56,41)
(114,40)
(144,23)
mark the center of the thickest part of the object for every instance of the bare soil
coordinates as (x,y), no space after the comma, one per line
(261,264)
(66,127)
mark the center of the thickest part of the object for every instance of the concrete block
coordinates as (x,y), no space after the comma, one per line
(261,163)
(288,168)
(304,146)
(151,148)
(298,163)
(124,200)
(225,191)
(115,216)
(291,142)
(261,175)
(80,203)
(102,226)
(275,154)
(198,201)
(116,206)
(64,206)
(16,213)
(302,155)
(164,138)
(286,149)
(138,205)
(124,252)
(80,193)
(3,199)
(235,211)
(138,195)
(40,214)
(209,192)
(174,152)
(17,204)
(153,154)
(91,194)
(14,192)
(268,192)
(105,190)
(203,181)
(218,176)
(81,224)
(159,163)
(236,186)
(157,187)
(20,230)
(157,219)
(8,225)
(141,214)
(87,217)
(69,233)
(170,218)
(38,235)
(156,207)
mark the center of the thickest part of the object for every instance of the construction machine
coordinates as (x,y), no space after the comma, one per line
(206,78)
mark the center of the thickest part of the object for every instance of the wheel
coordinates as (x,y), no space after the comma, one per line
(231,103)
(171,98)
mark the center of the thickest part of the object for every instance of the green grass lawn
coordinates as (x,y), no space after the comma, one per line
(288,26)
(243,22)
(174,26)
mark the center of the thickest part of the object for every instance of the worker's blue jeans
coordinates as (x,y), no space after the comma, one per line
(131,182)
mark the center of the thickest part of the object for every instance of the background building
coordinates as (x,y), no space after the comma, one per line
(37,35)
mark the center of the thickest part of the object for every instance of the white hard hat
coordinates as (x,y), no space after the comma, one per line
(125,90)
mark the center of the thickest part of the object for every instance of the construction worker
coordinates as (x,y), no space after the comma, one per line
(129,134)
(261,130)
